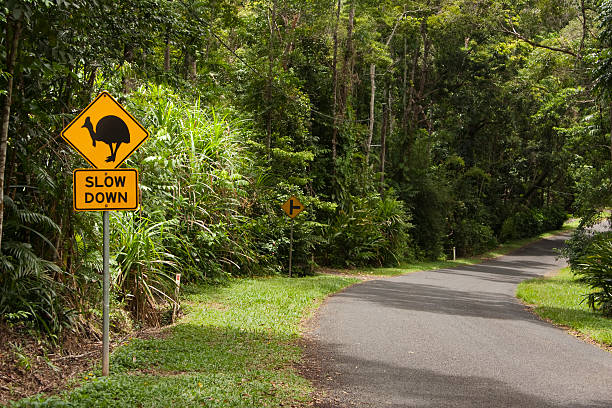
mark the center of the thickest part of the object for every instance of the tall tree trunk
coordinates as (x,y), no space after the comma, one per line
(272,23)
(128,56)
(167,52)
(335,84)
(610,113)
(11,54)
(193,68)
(373,88)
(372,99)
(411,91)
(347,69)
(350,48)
(383,131)
(405,89)
(383,138)
(585,29)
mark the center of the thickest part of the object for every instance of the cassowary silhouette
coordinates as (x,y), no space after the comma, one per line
(110,129)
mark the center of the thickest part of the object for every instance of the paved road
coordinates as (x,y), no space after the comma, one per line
(456,338)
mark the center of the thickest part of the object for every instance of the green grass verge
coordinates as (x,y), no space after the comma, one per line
(558,298)
(234,347)
(501,250)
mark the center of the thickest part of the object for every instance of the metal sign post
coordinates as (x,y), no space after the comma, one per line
(105,124)
(106,295)
(292,208)
(290,246)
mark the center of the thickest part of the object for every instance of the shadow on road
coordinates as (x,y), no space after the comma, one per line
(471,293)
(366,356)
(414,387)
(433,299)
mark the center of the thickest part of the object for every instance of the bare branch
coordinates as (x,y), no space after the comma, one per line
(538,45)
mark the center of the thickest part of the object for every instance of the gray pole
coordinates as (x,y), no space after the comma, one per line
(106,284)
(290,247)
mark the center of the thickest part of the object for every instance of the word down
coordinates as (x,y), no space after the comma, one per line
(105,189)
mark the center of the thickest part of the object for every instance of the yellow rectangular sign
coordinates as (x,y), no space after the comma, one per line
(105,189)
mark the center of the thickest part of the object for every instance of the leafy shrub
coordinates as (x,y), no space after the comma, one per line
(191,172)
(144,263)
(368,231)
(531,222)
(579,245)
(471,237)
(595,269)
(28,293)
(554,217)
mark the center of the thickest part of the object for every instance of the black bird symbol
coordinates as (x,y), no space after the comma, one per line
(110,129)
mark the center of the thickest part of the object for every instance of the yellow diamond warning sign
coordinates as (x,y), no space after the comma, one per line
(104,190)
(104,133)
(292,207)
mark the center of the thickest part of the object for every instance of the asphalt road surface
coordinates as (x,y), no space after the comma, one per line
(455,338)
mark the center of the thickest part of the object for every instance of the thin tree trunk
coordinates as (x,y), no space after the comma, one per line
(610,112)
(272,22)
(350,47)
(584,28)
(373,89)
(383,139)
(347,69)
(383,132)
(335,84)
(405,88)
(411,94)
(372,99)
(167,53)
(193,68)
(11,54)
(128,56)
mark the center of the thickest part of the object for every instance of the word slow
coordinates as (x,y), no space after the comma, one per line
(108,182)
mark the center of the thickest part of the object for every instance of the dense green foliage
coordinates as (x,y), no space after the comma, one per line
(406,128)
(595,269)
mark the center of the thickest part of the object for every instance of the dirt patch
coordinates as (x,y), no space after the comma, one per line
(345,274)
(28,366)
(328,388)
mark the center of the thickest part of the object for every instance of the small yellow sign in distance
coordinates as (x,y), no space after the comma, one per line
(104,133)
(292,207)
(105,189)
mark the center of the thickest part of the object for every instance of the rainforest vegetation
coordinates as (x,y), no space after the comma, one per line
(406,128)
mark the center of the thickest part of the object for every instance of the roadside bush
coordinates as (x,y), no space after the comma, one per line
(368,231)
(191,173)
(144,264)
(531,222)
(579,245)
(29,294)
(554,217)
(471,237)
(595,269)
